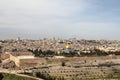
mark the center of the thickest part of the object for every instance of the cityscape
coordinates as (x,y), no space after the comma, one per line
(59,40)
(61,59)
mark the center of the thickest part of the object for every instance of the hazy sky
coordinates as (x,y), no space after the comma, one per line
(88,19)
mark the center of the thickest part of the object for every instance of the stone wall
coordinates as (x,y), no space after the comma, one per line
(31,62)
(15,59)
(25,62)
(5,56)
(76,59)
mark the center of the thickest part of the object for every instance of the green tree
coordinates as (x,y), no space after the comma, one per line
(63,64)
(0,61)
(1,76)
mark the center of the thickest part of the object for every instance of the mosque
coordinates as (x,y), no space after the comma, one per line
(68,48)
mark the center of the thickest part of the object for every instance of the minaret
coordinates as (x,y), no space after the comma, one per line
(18,39)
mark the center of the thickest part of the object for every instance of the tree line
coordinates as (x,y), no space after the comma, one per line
(95,52)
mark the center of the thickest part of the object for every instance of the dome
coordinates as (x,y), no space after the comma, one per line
(68,46)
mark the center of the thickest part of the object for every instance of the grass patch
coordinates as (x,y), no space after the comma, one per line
(6,76)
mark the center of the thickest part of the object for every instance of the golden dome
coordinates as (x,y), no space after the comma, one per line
(68,46)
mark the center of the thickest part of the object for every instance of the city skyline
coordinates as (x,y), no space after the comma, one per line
(34,19)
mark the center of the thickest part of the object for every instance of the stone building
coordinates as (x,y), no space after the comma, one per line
(25,59)
(68,49)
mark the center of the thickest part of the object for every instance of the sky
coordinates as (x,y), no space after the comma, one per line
(82,19)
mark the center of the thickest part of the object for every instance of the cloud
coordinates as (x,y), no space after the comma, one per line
(41,7)
(57,18)
(38,11)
